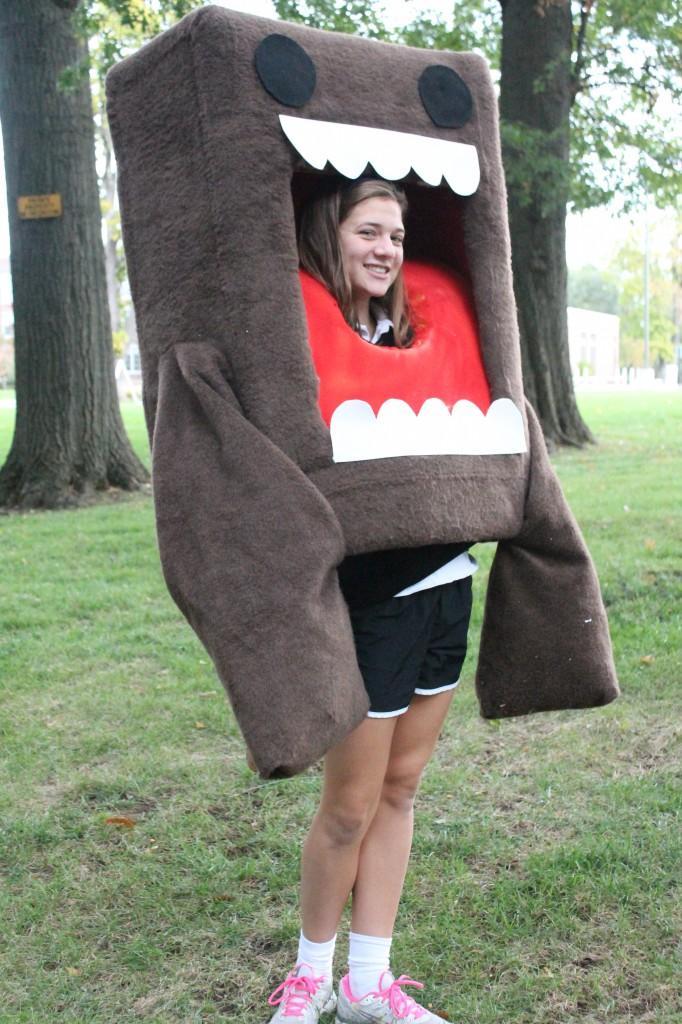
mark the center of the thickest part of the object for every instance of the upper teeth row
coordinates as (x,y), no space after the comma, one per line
(349,148)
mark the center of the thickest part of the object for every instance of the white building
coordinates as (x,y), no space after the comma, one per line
(593,342)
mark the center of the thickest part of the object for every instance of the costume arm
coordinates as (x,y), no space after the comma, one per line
(249,549)
(545,641)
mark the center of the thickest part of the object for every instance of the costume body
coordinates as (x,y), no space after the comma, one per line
(279,447)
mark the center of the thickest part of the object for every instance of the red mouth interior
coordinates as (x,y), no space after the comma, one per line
(444,360)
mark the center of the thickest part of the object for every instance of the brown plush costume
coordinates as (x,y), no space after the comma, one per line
(255,507)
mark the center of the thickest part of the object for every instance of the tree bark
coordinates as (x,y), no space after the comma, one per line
(535,101)
(69,438)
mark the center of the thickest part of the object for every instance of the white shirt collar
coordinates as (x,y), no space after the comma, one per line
(383,326)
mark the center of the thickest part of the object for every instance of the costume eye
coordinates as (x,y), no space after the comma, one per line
(445,96)
(285,70)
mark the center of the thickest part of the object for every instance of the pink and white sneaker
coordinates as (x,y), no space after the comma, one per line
(302,997)
(388,1005)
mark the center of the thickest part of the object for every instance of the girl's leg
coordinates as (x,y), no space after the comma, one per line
(385,849)
(353,778)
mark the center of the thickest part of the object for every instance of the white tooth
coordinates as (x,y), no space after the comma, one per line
(358,435)
(349,148)
(434,425)
(387,152)
(354,426)
(310,144)
(504,422)
(343,151)
(461,170)
(428,157)
(396,427)
(468,426)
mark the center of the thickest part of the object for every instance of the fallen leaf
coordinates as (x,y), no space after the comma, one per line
(587,962)
(647,659)
(649,544)
(199,725)
(119,819)
(73,971)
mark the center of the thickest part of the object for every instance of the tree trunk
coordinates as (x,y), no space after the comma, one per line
(535,101)
(69,438)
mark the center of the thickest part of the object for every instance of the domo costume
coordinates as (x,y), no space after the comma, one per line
(284,443)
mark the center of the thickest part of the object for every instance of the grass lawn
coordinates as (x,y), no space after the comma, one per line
(547,849)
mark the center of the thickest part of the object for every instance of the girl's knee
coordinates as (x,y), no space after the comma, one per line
(346,824)
(401,785)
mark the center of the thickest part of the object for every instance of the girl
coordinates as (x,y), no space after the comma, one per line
(410,613)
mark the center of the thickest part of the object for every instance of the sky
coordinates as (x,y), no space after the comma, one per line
(592,237)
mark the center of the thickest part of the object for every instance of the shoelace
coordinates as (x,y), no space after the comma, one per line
(400,1003)
(295,992)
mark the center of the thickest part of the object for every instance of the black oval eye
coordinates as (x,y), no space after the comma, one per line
(285,70)
(445,96)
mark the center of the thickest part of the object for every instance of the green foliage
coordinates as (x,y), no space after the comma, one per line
(627,84)
(589,288)
(119,339)
(477,31)
(351,16)
(119,27)
(535,167)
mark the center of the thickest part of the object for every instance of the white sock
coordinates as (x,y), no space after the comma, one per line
(319,956)
(368,957)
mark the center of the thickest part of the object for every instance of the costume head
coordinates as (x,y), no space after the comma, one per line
(281,440)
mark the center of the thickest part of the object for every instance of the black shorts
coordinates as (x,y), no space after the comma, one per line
(414,644)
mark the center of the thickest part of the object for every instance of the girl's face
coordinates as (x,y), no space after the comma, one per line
(371,242)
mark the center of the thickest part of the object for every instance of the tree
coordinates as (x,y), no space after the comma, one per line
(616,60)
(547,64)
(535,102)
(69,439)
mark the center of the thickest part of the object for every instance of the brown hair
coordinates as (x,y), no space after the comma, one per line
(320,253)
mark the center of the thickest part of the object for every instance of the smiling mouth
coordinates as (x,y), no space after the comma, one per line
(350,148)
(374,268)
